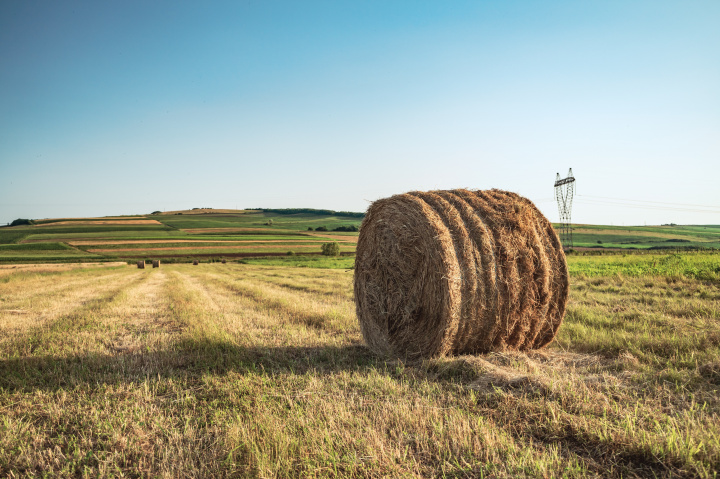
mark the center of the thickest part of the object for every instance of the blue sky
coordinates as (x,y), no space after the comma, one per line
(127,107)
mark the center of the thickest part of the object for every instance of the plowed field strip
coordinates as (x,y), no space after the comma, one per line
(238,230)
(350,239)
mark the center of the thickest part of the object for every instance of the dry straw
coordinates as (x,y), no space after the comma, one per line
(458,272)
(141,264)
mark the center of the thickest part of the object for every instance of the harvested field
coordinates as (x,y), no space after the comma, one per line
(238,370)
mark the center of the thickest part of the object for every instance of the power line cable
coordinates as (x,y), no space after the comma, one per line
(650,202)
(647,207)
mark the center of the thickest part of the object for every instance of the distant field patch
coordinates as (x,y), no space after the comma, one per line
(100,223)
(232,230)
(631,233)
(104,218)
(35,247)
(350,238)
(219,250)
(206,211)
(197,242)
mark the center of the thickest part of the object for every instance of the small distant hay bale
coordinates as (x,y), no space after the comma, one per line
(156,263)
(141,264)
(224,261)
(458,272)
(195,262)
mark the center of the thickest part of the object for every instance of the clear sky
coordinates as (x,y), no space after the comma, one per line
(124,107)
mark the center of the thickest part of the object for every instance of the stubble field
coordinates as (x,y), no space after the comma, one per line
(260,371)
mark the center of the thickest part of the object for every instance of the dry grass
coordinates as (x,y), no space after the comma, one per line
(237,370)
(6,269)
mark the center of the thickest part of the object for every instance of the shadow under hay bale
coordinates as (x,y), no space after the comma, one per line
(141,264)
(156,263)
(458,272)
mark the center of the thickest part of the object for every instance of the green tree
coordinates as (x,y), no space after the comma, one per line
(331,249)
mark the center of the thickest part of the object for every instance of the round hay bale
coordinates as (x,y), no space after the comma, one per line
(224,261)
(156,263)
(458,272)
(141,264)
(195,262)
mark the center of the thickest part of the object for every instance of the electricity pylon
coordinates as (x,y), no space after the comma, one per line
(564,191)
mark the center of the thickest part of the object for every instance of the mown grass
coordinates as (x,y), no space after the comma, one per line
(260,371)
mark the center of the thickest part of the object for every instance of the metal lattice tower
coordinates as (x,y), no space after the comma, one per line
(564,191)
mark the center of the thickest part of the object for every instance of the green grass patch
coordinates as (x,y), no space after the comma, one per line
(12,235)
(296,222)
(703,266)
(299,261)
(35,247)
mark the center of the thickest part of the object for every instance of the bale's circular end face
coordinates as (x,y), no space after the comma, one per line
(458,272)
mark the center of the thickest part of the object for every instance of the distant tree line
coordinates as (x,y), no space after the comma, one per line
(310,211)
(21,222)
(339,228)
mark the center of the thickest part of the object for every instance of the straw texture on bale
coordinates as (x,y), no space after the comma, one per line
(156,263)
(458,272)
(141,264)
